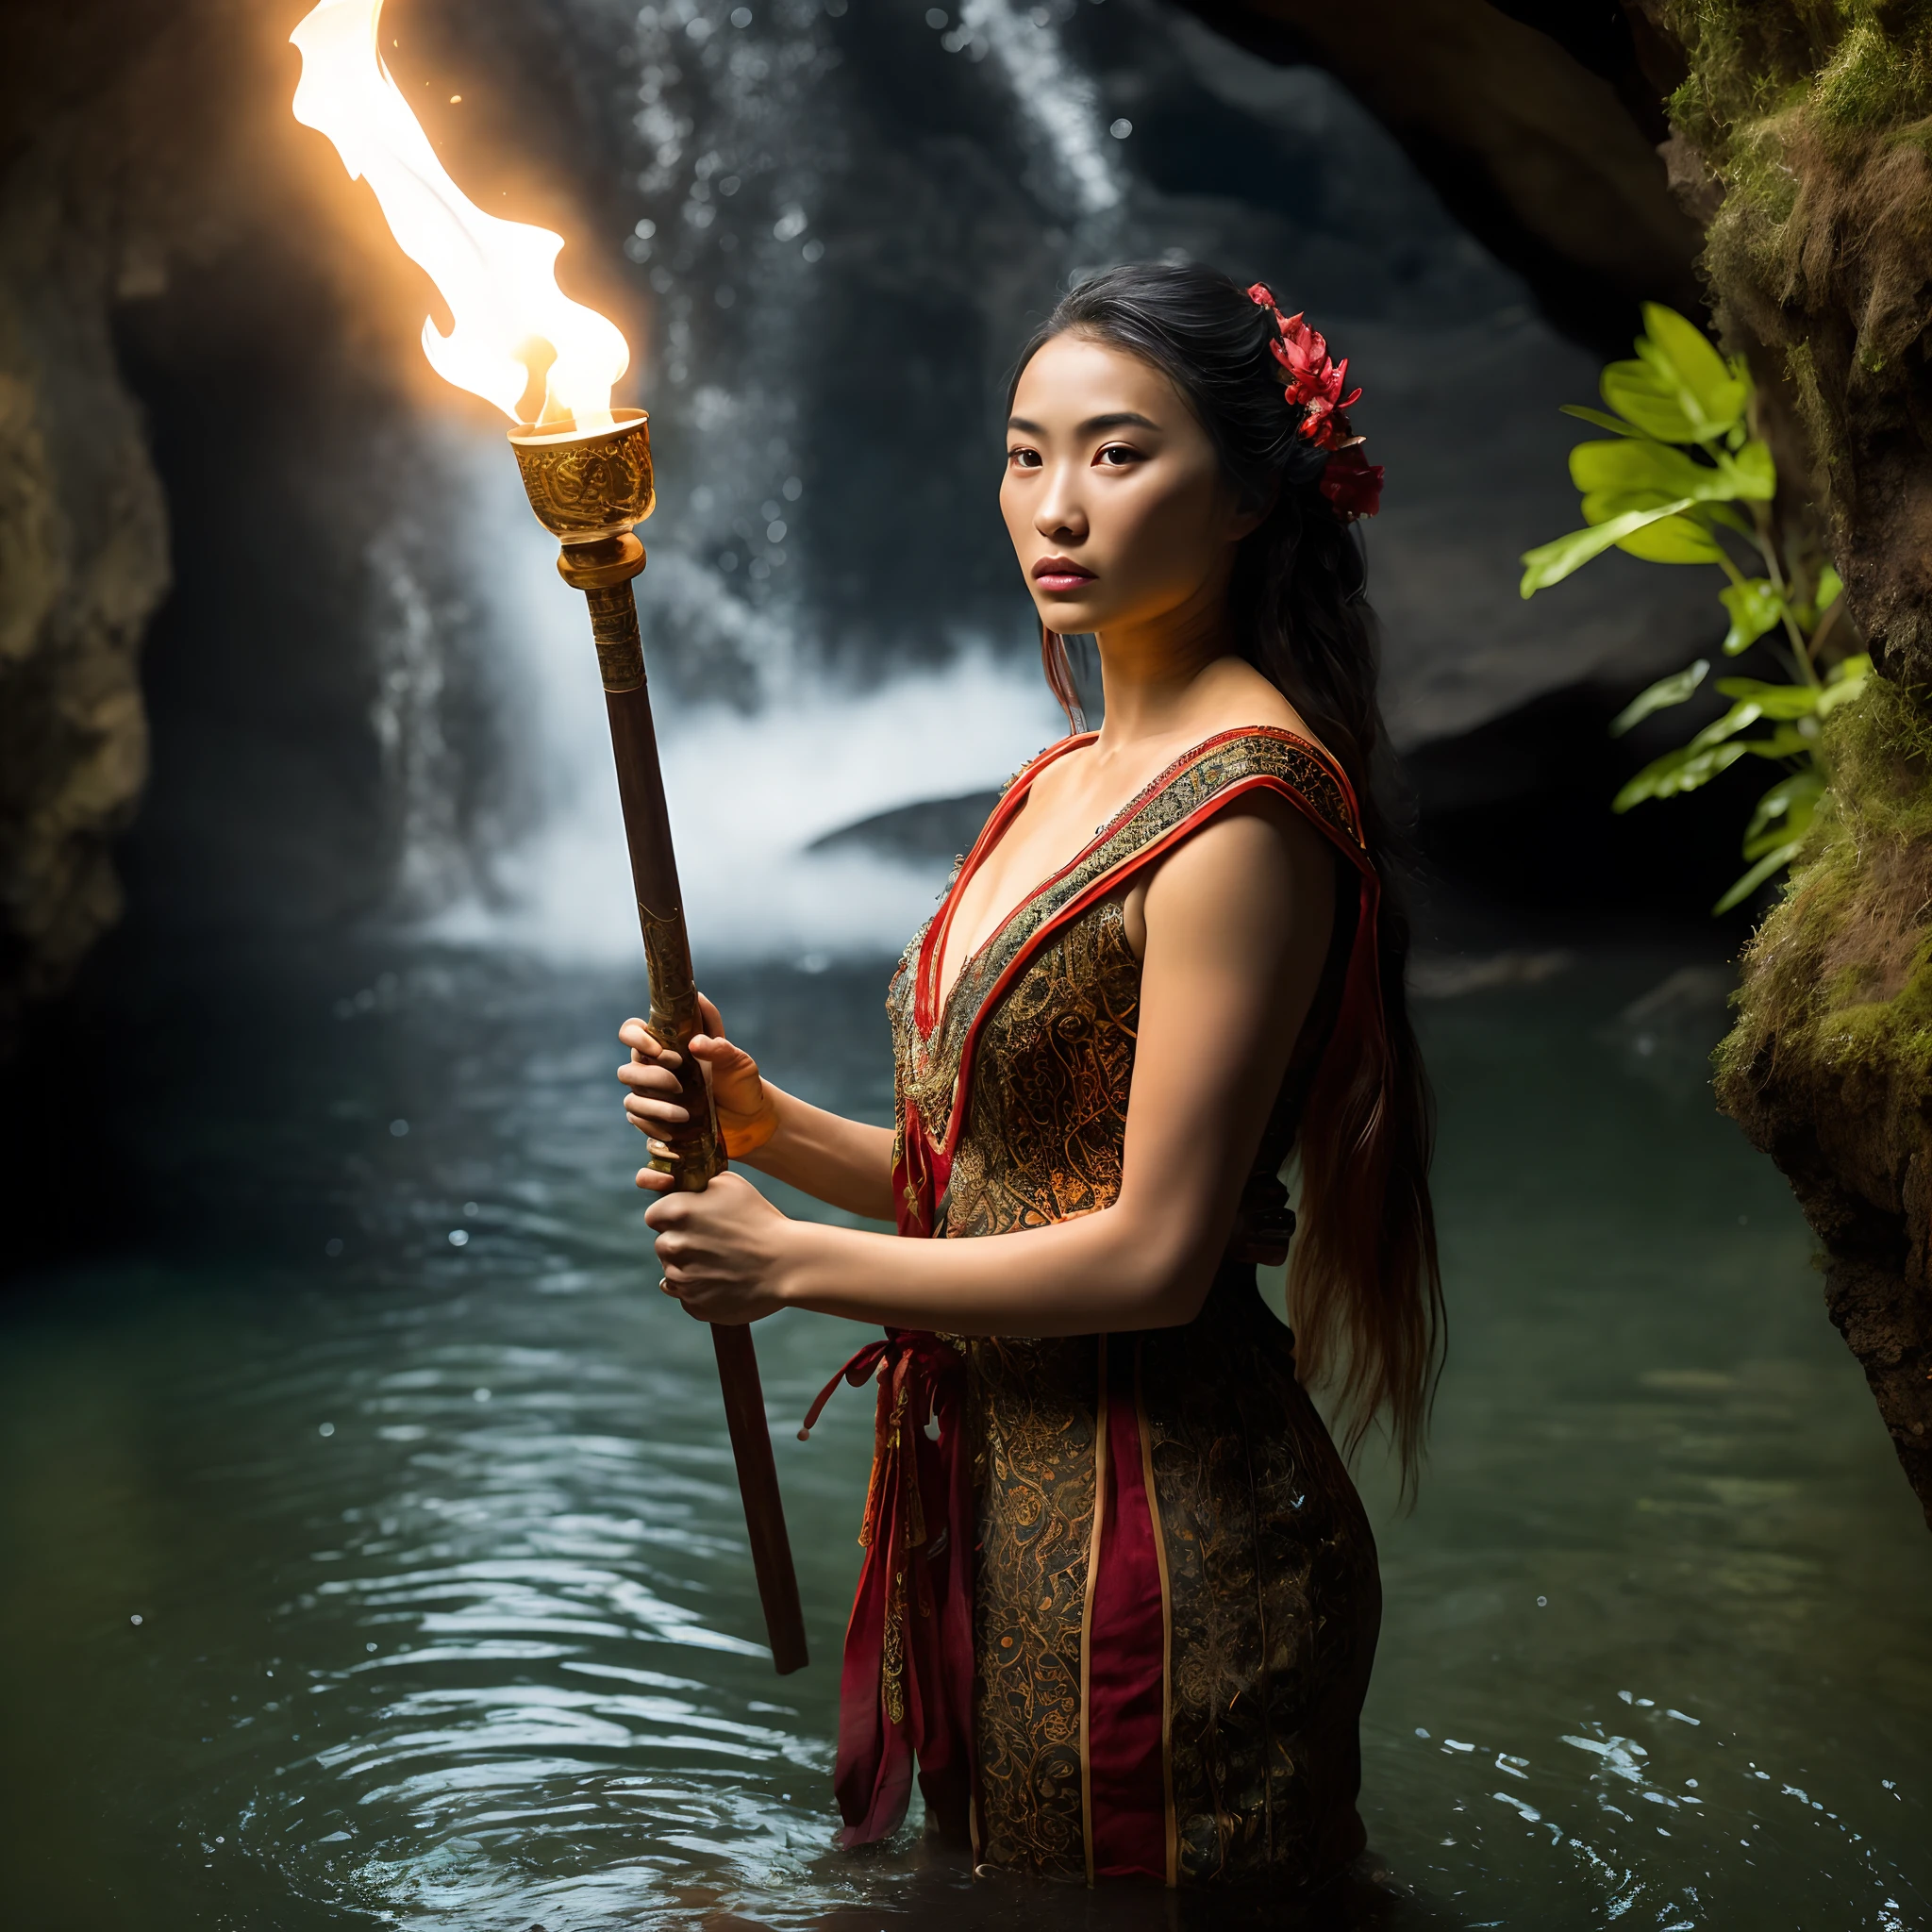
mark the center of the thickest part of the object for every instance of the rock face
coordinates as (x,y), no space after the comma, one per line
(1543,141)
(1804,128)
(1829,1069)
(83,543)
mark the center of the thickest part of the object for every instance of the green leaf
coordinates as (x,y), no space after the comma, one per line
(1550,563)
(1830,588)
(1663,694)
(1602,421)
(1740,717)
(1639,464)
(1676,539)
(1711,393)
(1683,770)
(1755,607)
(1636,391)
(1773,862)
(1773,700)
(1787,741)
(1752,474)
(1673,540)
(1843,682)
(1784,812)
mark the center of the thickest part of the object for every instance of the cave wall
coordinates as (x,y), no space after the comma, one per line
(83,525)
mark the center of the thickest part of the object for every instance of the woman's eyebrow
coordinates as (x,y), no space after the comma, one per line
(1118,419)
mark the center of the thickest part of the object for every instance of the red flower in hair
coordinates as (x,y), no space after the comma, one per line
(1350,482)
(1313,380)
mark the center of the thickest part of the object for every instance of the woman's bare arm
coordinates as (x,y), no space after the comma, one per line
(1236,929)
(842,1162)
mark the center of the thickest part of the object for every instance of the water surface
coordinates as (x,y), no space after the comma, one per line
(374,1558)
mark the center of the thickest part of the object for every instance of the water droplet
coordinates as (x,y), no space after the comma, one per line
(1542,1603)
(369,1646)
(135,1620)
(460,1237)
(470,1209)
(399,1129)
(325,1429)
(479,1395)
(1119,129)
(333,1246)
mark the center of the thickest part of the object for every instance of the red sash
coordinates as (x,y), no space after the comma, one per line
(906,1686)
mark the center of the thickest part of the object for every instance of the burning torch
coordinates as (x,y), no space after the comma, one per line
(587,470)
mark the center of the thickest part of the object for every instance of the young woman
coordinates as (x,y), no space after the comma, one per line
(1120,1600)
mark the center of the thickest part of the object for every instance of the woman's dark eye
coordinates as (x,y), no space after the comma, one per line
(1024,459)
(1117,455)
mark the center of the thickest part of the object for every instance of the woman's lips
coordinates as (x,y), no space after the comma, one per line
(1060,573)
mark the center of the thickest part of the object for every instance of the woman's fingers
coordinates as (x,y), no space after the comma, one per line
(653,1117)
(645,1047)
(644,1077)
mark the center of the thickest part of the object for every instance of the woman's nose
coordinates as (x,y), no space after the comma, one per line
(1060,514)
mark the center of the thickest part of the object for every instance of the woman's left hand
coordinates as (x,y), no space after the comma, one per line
(721,1251)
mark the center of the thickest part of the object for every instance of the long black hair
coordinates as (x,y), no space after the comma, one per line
(1365,1285)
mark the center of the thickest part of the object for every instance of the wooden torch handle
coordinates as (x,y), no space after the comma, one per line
(696,1152)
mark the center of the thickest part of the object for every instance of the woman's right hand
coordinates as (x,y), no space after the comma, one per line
(747,1112)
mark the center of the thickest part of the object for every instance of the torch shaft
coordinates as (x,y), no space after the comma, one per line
(695,1154)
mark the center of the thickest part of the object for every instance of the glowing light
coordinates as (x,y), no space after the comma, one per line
(498,277)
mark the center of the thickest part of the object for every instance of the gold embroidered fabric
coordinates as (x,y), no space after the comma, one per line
(1272,1596)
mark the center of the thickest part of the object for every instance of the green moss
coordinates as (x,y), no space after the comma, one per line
(1871,81)
(1839,974)
(1807,399)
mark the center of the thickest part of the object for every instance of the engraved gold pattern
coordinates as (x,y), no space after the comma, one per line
(586,488)
(614,627)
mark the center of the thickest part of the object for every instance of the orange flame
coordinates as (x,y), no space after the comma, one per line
(498,277)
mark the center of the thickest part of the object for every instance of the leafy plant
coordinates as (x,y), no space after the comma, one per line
(1685,481)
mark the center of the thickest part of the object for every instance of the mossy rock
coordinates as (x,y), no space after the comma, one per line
(1829,1066)
(1814,120)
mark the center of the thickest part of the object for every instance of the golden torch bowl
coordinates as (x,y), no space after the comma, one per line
(588,488)
(588,484)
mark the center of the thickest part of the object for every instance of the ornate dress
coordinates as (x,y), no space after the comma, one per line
(1118,1599)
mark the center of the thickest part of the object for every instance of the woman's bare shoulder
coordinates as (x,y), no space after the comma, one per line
(1240,699)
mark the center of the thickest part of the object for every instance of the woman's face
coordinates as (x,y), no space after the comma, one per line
(1117,510)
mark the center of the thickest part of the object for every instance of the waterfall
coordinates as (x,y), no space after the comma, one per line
(839,224)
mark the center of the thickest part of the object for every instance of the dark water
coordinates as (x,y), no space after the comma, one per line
(403,1582)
